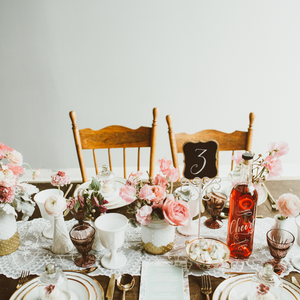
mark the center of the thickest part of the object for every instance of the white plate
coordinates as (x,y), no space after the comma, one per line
(114,201)
(90,288)
(237,287)
(226,186)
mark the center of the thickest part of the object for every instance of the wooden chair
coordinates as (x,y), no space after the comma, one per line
(115,137)
(237,140)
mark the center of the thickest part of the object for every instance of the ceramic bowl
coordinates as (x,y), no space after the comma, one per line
(204,265)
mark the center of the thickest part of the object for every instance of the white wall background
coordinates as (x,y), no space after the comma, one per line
(207,63)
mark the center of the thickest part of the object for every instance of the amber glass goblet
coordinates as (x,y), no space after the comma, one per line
(215,203)
(82,237)
(279,241)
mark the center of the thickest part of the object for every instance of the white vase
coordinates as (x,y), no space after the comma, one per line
(9,236)
(280,224)
(61,239)
(158,237)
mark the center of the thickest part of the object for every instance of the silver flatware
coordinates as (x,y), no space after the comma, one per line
(111,287)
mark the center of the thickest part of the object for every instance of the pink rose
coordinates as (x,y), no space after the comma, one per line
(278,149)
(15,157)
(173,174)
(159,193)
(288,205)
(146,193)
(7,194)
(60,179)
(128,193)
(164,165)
(274,166)
(176,212)
(4,150)
(237,158)
(160,180)
(55,205)
(143,215)
(16,169)
(36,174)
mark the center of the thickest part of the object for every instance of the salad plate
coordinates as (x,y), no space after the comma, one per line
(114,201)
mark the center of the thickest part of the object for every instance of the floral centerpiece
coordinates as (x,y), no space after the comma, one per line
(265,168)
(14,196)
(155,202)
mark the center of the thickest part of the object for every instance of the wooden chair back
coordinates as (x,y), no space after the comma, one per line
(237,140)
(115,137)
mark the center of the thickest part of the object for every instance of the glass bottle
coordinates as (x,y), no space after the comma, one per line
(242,212)
(108,182)
(53,284)
(266,284)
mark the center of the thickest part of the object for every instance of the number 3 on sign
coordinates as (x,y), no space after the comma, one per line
(200,159)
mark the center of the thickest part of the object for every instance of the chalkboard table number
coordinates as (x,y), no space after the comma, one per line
(200,159)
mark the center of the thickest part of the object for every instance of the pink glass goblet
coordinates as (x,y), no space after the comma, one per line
(215,203)
(279,241)
(82,237)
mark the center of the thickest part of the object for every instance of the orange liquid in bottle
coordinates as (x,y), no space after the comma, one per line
(241,221)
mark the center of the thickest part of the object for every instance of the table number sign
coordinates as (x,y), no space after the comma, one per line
(200,159)
(164,280)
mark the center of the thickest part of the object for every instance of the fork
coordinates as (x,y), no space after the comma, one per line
(206,286)
(23,279)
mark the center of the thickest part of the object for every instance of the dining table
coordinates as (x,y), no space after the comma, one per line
(275,188)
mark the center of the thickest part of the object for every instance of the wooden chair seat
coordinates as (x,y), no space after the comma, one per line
(115,136)
(237,140)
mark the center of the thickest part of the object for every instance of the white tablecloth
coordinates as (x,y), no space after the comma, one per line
(34,254)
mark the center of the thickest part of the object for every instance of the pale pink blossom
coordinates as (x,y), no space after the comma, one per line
(36,174)
(173,174)
(146,193)
(4,150)
(160,180)
(134,178)
(55,205)
(143,215)
(164,165)
(16,169)
(128,193)
(237,157)
(288,205)
(7,194)
(176,212)
(278,149)
(273,164)
(15,157)
(7,178)
(60,179)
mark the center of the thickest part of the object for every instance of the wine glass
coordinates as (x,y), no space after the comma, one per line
(82,237)
(111,229)
(40,199)
(279,241)
(215,203)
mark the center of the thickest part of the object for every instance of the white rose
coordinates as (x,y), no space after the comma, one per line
(55,205)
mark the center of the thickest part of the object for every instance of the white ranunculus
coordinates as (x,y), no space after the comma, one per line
(55,205)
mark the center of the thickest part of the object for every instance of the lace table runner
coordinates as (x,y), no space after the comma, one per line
(34,252)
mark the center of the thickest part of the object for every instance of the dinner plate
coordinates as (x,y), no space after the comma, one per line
(226,186)
(113,201)
(237,288)
(87,283)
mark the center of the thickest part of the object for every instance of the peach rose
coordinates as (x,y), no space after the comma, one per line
(176,212)
(15,157)
(160,180)
(143,215)
(288,205)
(55,205)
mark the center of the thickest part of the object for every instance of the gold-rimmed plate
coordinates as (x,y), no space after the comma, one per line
(239,289)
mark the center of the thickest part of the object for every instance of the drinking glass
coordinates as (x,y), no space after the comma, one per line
(82,236)
(111,229)
(215,204)
(279,241)
(40,199)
